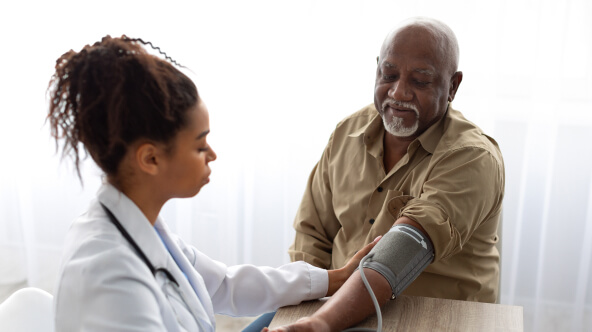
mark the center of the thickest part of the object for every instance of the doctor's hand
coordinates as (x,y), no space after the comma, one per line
(338,277)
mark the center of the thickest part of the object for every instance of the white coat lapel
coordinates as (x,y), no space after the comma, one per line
(195,279)
(141,231)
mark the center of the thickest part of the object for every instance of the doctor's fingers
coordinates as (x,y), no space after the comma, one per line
(353,263)
(366,249)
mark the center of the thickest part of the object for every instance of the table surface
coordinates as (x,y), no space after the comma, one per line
(412,313)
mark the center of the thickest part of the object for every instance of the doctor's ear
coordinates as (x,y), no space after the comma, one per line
(147,158)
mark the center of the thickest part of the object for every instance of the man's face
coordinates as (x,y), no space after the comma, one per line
(412,83)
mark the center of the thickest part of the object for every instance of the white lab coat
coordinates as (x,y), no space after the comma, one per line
(103,285)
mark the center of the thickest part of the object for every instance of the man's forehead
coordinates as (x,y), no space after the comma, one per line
(424,69)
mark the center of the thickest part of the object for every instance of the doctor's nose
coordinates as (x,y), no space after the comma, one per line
(211,155)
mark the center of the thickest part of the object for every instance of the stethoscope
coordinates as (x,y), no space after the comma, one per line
(170,281)
(131,241)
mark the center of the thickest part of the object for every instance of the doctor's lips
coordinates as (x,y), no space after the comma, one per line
(207,178)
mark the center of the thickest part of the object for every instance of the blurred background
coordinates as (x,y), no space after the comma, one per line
(277,76)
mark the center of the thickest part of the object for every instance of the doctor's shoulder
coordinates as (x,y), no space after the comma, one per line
(102,276)
(96,256)
(94,247)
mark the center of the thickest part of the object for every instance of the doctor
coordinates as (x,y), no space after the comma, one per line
(143,123)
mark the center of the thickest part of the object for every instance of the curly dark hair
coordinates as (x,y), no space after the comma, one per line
(113,93)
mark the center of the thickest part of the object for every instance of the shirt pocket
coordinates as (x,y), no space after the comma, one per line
(388,214)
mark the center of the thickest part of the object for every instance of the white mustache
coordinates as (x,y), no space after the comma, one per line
(391,102)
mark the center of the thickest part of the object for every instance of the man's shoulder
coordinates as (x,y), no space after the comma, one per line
(461,133)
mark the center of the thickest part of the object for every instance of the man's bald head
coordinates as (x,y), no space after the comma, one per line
(433,31)
(416,76)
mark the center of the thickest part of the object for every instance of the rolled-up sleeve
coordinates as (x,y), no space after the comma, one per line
(463,188)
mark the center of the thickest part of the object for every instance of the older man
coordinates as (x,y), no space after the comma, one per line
(409,159)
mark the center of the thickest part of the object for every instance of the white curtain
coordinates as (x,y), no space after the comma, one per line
(277,76)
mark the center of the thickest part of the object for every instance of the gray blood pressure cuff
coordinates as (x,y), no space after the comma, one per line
(400,256)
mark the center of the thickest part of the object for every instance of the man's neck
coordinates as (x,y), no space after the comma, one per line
(394,149)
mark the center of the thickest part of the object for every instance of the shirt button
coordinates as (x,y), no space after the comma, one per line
(371,221)
(379,189)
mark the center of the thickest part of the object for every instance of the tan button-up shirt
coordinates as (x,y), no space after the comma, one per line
(451,181)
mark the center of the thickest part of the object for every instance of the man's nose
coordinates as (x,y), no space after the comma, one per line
(399,90)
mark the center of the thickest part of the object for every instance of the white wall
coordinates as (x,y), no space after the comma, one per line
(277,76)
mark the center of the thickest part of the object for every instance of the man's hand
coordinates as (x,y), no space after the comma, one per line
(338,277)
(302,325)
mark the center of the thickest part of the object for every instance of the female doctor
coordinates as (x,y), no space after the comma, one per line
(143,123)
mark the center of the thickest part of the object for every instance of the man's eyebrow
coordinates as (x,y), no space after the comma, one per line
(203,134)
(425,72)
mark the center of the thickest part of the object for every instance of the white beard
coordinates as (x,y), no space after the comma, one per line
(396,127)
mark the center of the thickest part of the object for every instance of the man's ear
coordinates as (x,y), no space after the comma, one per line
(147,158)
(454,83)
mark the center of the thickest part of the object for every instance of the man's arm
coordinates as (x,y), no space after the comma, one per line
(316,224)
(349,306)
(351,303)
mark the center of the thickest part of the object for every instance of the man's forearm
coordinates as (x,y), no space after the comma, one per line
(352,302)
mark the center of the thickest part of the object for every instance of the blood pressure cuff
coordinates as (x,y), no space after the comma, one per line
(400,256)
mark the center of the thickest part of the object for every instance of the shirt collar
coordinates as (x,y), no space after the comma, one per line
(429,139)
(371,131)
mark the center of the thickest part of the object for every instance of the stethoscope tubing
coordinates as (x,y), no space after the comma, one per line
(133,243)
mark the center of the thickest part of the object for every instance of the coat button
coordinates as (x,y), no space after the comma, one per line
(372,221)
(379,189)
